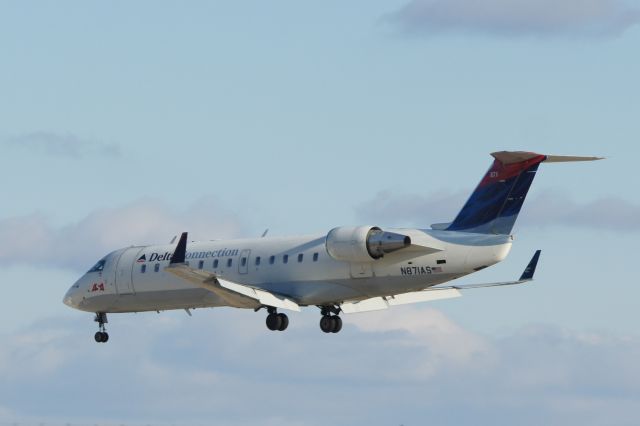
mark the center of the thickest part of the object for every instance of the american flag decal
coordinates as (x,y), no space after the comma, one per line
(436,269)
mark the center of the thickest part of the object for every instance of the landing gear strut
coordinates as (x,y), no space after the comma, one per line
(101,336)
(276,321)
(330,323)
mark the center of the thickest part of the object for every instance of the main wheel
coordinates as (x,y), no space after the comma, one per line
(326,324)
(284,322)
(337,324)
(105,337)
(98,336)
(274,322)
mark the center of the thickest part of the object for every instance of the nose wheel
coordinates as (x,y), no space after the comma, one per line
(101,336)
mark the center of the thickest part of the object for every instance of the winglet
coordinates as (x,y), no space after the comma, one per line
(527,275)
(181,250)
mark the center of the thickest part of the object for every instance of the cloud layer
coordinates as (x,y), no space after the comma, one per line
(592,18)
(547,210)
(34,241)
(395,367)
(61,145)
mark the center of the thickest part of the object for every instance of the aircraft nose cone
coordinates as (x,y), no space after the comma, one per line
(68,300)
(72,298)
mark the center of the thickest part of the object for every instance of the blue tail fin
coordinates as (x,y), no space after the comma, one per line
(494,205)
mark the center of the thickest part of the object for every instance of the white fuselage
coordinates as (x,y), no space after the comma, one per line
(300,268)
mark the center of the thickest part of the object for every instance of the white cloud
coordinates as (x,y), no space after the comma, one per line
(61,145)
(5,413)
(448,345)
(599,18)
(556,208)
(78,245)
(549,209)
(223,367)
(397,209)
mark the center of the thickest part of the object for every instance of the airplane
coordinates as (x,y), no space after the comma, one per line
(347,270)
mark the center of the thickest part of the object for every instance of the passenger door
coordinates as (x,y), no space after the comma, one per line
(124,270)
(243,264)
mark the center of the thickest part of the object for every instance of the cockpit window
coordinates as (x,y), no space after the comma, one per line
(98,267)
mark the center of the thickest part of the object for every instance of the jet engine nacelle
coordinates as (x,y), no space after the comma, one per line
(363,243)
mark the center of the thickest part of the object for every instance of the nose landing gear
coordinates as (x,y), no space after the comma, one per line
(101,336)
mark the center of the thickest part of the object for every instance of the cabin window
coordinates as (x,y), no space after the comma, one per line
(300,257)
(285,258)
(258,261)
(201,264)
(143,269)
(243,261)
(272,260)
(156,267)
(315,257)
(441,261)
(215,264)
(229,263)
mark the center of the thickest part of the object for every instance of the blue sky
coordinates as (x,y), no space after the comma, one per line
(126,123)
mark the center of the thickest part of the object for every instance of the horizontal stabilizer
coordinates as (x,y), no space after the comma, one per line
(568,158)
(513,157)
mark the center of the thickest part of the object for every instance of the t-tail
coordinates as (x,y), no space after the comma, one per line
(496,202)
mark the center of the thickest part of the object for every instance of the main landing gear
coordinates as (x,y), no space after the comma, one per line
(330,323)
(101,336)
(276,321)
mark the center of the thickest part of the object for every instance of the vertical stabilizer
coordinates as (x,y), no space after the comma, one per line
(494,205)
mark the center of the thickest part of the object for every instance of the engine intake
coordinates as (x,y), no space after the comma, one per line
(363,243)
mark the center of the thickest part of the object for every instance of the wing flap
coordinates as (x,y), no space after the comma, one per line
(423,296)
(373,304)
(234,294)
(264,297)
(379,303)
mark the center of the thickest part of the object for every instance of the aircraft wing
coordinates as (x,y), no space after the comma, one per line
(378,303)
(434,293)
(527,275)
(234,294)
